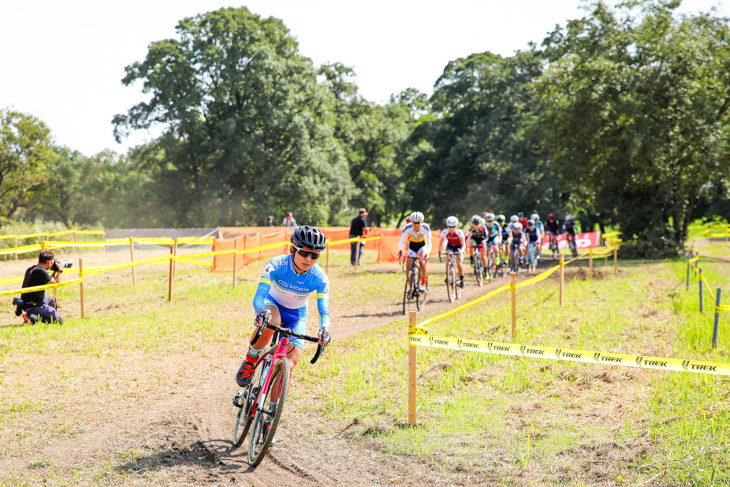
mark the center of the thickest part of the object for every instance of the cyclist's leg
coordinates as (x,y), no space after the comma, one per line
(409,263)
(460,262)
(422,262)
(243,376)
(296,320)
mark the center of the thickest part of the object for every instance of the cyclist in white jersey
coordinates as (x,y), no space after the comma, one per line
(418,235)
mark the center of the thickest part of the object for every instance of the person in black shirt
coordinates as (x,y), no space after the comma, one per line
(358,228)
(37,303)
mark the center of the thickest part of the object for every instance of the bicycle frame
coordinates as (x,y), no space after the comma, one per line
(280,352)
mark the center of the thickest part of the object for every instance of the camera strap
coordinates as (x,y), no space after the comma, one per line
(27,277)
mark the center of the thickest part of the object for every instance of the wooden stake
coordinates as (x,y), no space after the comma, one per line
(235,261)
(562,276)
(81,285)
(590,264)
(16,245)
(514,304)
(411,374)
(76,240)
(172,269)
(615,260)
(174,254)
(131,256)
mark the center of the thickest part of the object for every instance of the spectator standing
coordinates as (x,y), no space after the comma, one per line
(289,220)
(358,228)
(269,221)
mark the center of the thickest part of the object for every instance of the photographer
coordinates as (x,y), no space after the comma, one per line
(38,303)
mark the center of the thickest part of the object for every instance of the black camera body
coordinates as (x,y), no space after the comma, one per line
(59,265)
(19,304)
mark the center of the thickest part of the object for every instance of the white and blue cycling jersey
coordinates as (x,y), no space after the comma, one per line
(281,286)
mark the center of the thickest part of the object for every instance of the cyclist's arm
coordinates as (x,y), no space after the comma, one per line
(323,304)
(428,240)
(460,233)
(263,288)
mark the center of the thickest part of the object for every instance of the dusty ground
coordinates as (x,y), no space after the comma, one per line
(166,418)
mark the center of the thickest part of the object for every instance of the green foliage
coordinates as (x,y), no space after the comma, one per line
(246,124)
(637,122)
(25,149)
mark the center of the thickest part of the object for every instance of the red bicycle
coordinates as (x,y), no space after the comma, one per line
(262,402)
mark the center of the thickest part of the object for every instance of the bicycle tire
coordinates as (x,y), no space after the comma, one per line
(282,367)
(478,269)
(421,297)
(406,298)
(450,289)
(457,286)
(244,418)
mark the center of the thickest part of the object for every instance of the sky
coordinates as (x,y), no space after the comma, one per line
(63,61)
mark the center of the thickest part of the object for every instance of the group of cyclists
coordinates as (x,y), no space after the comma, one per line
(487,235)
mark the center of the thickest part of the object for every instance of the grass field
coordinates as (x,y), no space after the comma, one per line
(90,402)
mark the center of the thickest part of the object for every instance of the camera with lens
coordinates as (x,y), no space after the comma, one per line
(59,265)
(19,306)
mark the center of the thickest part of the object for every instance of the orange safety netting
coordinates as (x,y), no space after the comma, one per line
(253,237)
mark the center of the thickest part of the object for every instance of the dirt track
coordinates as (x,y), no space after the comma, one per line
(179,426)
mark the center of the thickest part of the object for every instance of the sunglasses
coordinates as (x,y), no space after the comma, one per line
(307,253)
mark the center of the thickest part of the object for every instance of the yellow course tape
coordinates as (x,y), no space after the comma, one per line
(723,307)
(40,288)
(21,250)
(191,261)
(566,354)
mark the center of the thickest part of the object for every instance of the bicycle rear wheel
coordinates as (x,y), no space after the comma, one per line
(244,418)
(270,413)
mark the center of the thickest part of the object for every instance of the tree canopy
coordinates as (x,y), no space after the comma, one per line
(619,118)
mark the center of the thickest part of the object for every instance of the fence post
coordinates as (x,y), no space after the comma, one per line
(562,276)
(615,260)
(235,261)
(131,256)
(687,276)
(172,263)
(590,264)
(717,318)
(174,254)
(81,285)
(16,246)
(411,373)
(514,304)
(702,310)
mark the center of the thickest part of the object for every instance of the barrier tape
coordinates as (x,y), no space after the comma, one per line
(723,307)
(571,355)
(540,277)
(40,288)
(349,240)
(21,250)
(611,234)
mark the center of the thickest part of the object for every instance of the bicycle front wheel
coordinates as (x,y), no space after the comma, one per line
(478,269)
(450,289)
(249,395)
(408,292)
(270,413)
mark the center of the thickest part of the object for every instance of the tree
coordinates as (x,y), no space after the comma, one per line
(247,126)
(25,148)
(637,114)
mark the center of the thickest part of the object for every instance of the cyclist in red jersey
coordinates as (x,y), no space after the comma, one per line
(454,240)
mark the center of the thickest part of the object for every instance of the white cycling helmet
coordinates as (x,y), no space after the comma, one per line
(514,218)
(517,226)
(568,218)
(452,221)
(476,219)
(490,217)
(416,217)
(535,217)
